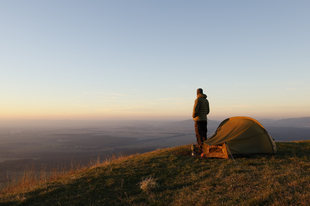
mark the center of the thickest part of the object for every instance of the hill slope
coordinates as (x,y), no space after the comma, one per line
(173,177)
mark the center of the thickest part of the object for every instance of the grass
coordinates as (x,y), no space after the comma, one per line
(173,177)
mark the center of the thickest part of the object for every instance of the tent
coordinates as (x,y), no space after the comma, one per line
(239,136)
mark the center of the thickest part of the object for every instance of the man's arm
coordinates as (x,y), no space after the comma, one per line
(196,108)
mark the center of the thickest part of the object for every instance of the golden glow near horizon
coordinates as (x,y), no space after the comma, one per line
(150,111)
(100,105)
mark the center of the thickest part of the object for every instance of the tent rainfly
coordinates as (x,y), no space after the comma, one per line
(239,136)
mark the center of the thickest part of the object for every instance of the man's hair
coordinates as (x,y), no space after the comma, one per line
(199,91)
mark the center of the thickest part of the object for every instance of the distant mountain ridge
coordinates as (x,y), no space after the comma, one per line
(291,129)
(190,123)
(303,122)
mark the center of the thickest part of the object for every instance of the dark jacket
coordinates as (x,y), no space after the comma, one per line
(201,108)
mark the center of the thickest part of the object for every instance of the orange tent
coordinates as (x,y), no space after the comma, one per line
(239,136)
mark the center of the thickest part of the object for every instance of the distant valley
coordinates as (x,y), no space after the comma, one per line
(53,143)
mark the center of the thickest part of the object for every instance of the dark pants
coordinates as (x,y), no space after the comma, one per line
(201,133)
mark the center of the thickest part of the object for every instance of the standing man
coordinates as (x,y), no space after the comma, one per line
(200,111)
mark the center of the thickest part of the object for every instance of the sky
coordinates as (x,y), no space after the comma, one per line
(145,60)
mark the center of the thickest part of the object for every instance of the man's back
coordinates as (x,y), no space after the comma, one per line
(201,108)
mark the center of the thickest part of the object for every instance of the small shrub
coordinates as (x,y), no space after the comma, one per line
(147,184)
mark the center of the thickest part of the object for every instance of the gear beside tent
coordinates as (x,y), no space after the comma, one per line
(239,136)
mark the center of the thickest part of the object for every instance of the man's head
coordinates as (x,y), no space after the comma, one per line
(199,91)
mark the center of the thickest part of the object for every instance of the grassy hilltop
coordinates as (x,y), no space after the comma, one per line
(173,177)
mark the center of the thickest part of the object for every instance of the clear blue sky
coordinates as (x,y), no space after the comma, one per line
(145,59)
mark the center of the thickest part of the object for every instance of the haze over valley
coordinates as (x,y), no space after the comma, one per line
(49,143)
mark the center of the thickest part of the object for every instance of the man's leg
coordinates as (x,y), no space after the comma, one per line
(204,130)
(201,133)
(197,135)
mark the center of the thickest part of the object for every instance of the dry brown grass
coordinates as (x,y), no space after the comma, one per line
(167,177)
(31,178)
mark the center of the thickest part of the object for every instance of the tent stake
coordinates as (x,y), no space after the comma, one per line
(231,155)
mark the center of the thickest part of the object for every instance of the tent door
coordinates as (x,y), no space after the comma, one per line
(217,151)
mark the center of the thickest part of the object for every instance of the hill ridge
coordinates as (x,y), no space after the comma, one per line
(173,177)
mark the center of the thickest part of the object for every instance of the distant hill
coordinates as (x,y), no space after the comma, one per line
(190,123)
(291,129)
(302,122)
(290,122)
(288,133)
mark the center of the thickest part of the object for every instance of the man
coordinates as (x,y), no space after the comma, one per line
(200,111)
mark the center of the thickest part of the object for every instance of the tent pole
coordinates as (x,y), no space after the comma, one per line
(231,155)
